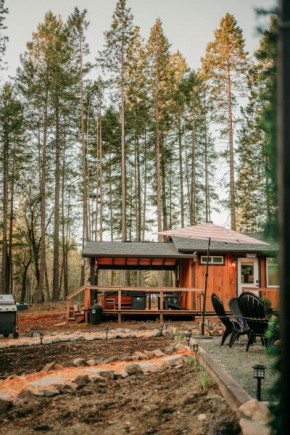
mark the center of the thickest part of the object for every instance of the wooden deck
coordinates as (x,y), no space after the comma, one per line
(87,293)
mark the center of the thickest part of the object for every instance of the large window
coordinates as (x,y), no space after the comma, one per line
(272,272)
(213,260)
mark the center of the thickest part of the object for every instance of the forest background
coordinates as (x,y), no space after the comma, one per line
(114,145)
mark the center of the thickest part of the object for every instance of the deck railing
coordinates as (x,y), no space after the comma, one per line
(88,290)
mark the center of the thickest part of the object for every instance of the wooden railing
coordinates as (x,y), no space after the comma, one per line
(150,290)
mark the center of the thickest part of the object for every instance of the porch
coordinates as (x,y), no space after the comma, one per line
(80,301)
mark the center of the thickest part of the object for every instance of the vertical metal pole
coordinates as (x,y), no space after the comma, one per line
(284,203)
(205,289)
(259,396)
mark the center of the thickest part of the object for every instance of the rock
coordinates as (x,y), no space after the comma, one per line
(140,355)
(46,341)
(134,369)
(56,340)
(169,350)
(107,374)
(122,375)
(67,388)
(89,338)
(77,362)
(201,417)
(158,353)
(58,366)
(254,427)
(5,402)
(110,359)
(82,380)
(91,362)
(172,360)
(125,357)
(277,342)
(68,364)
(149,353)
(49,367)
(49,392)
(26,396)
(254,410)
(80,338)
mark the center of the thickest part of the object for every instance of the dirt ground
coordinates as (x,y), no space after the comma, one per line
(28,359)
(168,402)
(171,402)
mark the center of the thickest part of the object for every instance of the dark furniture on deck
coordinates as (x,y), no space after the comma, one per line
(224,318)
(240,326)
(252,309)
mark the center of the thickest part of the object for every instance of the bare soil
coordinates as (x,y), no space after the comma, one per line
(170,402)
(29,359)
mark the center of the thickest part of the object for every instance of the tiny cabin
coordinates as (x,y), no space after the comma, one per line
(233,269)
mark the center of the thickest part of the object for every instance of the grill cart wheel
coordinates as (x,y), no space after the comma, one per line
(15,335)
(6,335)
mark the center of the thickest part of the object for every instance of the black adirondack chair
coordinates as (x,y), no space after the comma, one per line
(224,318)
(252,309)
(240,326)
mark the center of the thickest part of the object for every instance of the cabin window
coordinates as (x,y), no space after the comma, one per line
(272,272)
(213,260)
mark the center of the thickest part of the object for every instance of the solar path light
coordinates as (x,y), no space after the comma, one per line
(107,331)
(161,329)
(41,335)
(259,374)
(195,349)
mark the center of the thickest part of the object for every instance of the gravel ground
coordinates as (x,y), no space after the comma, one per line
(239,363)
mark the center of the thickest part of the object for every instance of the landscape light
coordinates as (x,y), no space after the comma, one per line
(41,335)
(195,349)
(161,329)
(259,374)
(187,337)
(107,331)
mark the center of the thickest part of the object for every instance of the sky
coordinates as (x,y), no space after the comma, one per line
(188,24)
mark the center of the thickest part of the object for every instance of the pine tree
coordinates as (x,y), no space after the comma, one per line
(225,66)
(114,59)
(3,38)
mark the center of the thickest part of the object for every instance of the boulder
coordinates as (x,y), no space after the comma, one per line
(149,353)
(140,355)
(158,353)
(91,362)
(5,402)
(110,359)
(77,362)
(134,369)
(49,367)
(107,374)
(58,366)
(49,392)
(67,388)
(254,427)
(122,375)
(254,410)
(169,350)
(172,360)
(82,380)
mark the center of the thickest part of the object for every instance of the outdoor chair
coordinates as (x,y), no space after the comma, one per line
(224,318)
(252,309)
(240,326)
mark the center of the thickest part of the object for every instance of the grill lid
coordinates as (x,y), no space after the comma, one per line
(7,303)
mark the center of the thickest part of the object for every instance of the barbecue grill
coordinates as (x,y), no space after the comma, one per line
(8,316)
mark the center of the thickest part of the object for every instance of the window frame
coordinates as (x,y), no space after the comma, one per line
(267,274)
(210,263)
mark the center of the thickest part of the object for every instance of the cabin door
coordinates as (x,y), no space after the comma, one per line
(248,275)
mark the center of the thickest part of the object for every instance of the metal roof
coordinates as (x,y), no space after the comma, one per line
(191,245)
(133,249)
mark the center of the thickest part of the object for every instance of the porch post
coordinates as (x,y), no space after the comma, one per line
(93,281)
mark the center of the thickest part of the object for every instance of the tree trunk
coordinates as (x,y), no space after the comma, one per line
(23,282)
(207,214)
(55,284)
(232,162)
(11,220)
(145,188)
(84,160)
(193,175)
(43,206)
(101,175)
(4,288)
(163,181)
(123,154)
(181,174)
